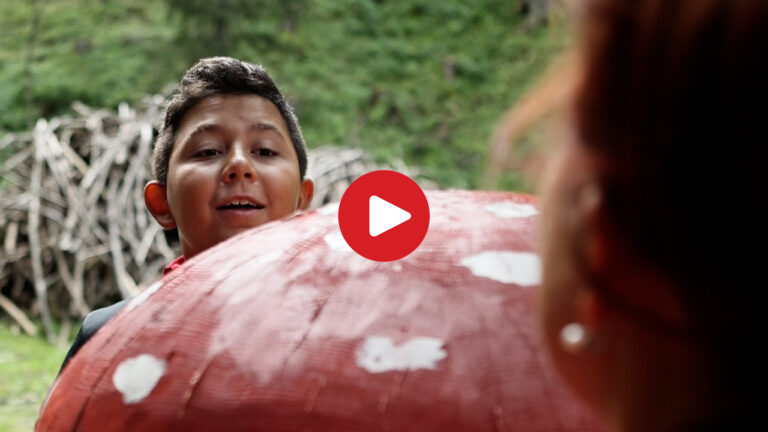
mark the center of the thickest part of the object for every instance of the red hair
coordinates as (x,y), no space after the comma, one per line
(673,101)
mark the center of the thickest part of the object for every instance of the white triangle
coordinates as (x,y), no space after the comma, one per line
(383,216)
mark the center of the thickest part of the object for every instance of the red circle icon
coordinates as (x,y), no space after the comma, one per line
(383,215)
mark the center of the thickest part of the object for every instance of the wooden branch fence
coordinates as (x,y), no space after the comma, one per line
(76,234)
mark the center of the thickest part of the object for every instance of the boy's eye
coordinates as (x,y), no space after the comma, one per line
(209,152)
(265,152)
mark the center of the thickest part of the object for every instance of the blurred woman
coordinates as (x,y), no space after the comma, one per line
(655,215)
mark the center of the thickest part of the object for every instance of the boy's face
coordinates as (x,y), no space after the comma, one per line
(233,167)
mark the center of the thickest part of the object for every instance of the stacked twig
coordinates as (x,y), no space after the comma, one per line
(76,234)
(73,219)
(334,168)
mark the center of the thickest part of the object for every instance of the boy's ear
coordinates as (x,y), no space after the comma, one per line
(306,190)
(156,201)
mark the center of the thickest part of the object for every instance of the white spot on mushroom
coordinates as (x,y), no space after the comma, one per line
(521,268)
(378,354)
(141,298)
(511,210)
(329,209)
(336,242)
(136,377)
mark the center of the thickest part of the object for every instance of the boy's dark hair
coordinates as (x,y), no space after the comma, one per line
(221,75)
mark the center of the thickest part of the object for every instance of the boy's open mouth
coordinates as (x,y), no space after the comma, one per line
(240,205)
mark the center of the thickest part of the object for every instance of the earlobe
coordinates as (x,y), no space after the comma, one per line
(590,309)
(595,240)
(589,320)
(306,190)
(595,237)
(156,200)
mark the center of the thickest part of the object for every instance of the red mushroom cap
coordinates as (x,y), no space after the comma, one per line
(284,328)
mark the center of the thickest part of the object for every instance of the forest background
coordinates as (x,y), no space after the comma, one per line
(422,81)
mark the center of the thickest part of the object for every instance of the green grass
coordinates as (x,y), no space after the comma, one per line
(363,73)
(28,366)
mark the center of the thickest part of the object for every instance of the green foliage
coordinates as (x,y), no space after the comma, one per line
(422,80)
(28,366)
(98,52)
(211,27)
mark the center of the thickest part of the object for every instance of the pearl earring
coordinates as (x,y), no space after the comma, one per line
(574,337)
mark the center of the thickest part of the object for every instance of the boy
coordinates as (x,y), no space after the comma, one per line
(229,156)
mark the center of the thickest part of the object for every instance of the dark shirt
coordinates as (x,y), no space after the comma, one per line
(96,319)
(91,324)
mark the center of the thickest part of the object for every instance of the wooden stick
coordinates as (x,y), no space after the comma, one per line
(34,235)
(18,315)
(125,283)
(74,287)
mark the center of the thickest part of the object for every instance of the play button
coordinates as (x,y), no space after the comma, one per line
(383,216)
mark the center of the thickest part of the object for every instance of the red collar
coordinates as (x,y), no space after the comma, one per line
(174,265)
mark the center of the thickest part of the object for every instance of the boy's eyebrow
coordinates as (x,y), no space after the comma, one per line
(205,127)
(214,127)
(267,126)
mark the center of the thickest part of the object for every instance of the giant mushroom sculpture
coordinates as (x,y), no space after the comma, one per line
(284,328)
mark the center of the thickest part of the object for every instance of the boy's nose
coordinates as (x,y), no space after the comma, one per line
(238,168)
